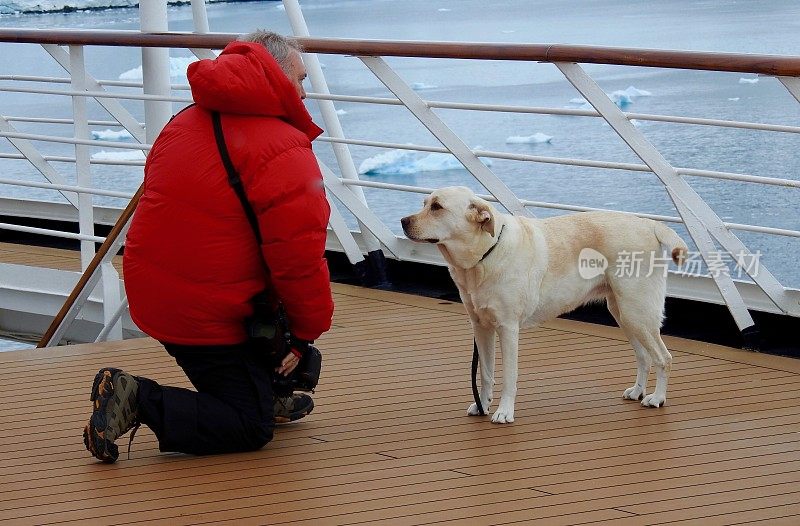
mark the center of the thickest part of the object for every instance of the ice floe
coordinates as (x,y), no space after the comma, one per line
(410,162)
(536,138)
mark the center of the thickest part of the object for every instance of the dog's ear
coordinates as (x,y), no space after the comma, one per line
(480,212)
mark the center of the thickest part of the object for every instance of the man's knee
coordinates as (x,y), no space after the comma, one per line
(260,434)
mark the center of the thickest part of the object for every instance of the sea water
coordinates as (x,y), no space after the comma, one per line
(714,25)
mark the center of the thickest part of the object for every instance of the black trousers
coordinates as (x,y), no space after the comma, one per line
(231,411)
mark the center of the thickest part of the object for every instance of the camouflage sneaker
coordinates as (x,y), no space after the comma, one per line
(113,413)
(291,408)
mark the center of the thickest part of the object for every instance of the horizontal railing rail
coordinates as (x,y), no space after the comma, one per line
(72,160)
(587,163)
(563,111)
(657,58)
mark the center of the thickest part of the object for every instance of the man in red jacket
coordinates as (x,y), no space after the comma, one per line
(192,263)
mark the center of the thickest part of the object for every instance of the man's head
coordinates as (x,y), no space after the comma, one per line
(286,52)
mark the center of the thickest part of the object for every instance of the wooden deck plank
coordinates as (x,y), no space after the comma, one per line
(55,258)
(389,442)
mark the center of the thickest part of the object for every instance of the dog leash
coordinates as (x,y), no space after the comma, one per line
(475,378)
(475,343)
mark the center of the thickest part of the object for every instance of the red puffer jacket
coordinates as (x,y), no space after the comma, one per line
(191,260)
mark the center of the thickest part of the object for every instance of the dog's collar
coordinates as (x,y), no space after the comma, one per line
(495,244)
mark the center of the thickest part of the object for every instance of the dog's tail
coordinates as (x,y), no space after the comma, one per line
(670,239)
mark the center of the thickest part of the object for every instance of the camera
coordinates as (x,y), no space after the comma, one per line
(304,377)
(268,327)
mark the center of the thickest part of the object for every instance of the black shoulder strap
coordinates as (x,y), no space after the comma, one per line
(233,177)
(182,110)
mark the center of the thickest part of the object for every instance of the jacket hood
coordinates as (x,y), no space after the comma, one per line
(245,79)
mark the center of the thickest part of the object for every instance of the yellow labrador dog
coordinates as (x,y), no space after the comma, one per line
(515,272)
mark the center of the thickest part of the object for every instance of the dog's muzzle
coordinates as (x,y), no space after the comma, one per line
(406,222)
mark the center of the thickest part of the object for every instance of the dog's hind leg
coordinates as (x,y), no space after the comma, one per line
(663,365)
(641,307)
(509,346)
(484,338)
(639,389)
(660,357)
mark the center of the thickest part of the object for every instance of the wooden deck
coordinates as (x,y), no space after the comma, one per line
(390,443)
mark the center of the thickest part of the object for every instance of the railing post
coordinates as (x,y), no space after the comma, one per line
(110,277)
(200,22)
(82,168)
(331,119)
(155,68)
(112,301)
(199,16)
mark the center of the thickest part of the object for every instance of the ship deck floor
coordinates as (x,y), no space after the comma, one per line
(390,442)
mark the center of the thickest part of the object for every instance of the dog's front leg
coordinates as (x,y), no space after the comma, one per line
(509,346)
(484,338)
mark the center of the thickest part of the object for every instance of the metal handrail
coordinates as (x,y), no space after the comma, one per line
(64,159)
(98,94)
(541,110)
(587,163)
(396,102)
(658,58)
(70,140)
(576,208)
(67,188)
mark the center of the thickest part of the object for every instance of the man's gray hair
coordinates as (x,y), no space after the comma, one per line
(279,46)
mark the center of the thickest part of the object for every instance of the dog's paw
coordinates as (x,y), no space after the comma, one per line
(633,393)
(654,400)
(473,408)
(502,416)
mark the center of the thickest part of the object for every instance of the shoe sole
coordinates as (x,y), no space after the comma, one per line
(93,438)
(297,415)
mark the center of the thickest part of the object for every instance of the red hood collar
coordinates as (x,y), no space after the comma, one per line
(246,79)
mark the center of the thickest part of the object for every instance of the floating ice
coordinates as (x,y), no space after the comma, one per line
(132,74)
(410,162)
(634,92)
(122,155)
(734,99)
(42,6)
(621,98)
(341,112)
(443,9)
(111,135)
(393,161)
(536,138)
(746,80)
(177,68)
(422,85)
(507,31)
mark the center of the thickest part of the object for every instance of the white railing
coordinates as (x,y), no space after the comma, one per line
(705,227)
